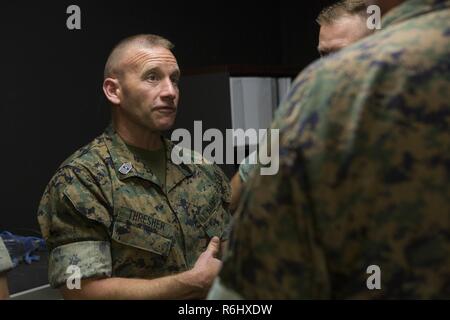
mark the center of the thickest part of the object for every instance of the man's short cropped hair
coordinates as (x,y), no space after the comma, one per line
(342,8)
(140,40)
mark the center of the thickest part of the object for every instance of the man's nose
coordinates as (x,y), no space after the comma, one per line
(169,89)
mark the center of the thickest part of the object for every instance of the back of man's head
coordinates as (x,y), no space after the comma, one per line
(114,64)
(342,24)
(342,8)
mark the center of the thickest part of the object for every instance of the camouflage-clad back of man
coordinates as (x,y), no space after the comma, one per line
(107,213)
(364,173)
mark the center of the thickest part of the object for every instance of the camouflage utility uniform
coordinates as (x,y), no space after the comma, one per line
(106,212)
(364,173)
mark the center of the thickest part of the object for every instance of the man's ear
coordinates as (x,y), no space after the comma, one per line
(111,88)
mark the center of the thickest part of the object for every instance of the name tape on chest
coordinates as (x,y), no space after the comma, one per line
(155,224)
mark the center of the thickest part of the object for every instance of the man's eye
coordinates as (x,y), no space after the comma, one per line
(152,77)
(175,80)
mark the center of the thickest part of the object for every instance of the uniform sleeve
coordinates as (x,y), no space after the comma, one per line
(273,252)
(74,220)
(5,260)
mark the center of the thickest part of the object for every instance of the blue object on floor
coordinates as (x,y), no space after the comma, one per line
(22,248)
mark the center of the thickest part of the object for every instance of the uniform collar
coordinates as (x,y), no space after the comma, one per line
(412,8)
(127,165)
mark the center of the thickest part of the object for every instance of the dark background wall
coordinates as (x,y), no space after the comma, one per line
(52,103)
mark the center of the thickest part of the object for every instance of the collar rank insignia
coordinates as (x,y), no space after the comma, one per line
(125,168)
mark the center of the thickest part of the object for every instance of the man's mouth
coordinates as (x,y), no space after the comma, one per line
(165,109)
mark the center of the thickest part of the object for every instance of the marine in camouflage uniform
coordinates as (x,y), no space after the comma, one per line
(364,173)
(341,24)
(137,220)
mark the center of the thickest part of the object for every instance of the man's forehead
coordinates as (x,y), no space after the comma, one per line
(138,57)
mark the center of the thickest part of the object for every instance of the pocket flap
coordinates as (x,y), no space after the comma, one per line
(218,223)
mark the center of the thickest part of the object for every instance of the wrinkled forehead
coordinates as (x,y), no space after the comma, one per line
(138,58)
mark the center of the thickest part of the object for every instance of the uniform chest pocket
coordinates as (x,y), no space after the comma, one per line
(217,220)
(142,231)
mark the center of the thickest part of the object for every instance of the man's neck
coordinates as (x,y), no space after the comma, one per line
(138,136)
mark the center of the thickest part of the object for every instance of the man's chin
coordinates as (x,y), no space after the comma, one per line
(165,125)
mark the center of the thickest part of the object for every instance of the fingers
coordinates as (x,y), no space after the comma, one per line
(214,246)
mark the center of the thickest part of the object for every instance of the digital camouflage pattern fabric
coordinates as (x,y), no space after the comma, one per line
(5,260)
(364,173)
(106,213)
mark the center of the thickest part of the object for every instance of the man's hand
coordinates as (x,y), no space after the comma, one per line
(207,266)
